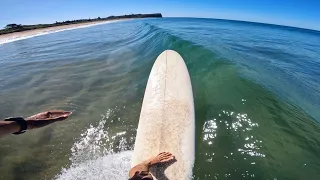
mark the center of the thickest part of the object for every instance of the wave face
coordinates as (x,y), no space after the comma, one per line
(256,92)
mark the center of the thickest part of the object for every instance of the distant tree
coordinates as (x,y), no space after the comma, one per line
(13,26)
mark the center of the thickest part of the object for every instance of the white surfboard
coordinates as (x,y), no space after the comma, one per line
(167,121)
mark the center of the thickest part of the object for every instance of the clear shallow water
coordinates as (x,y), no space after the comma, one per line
(256,90)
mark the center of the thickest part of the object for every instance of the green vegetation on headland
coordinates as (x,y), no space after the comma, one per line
(11,28)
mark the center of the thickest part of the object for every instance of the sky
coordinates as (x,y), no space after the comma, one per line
(297,13)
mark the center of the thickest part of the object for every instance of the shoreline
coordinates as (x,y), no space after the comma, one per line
(11,37)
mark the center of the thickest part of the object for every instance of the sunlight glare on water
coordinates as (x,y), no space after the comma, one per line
(238,126)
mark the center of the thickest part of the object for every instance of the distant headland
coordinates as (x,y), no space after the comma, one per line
(12,28)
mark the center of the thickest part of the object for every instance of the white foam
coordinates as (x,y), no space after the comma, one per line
(112,166)
(92,157)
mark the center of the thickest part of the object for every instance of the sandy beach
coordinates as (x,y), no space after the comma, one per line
(6,38)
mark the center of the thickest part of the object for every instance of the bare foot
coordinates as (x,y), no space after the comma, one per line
(161,158)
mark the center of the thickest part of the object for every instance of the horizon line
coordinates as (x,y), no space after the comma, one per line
(247,21)
(235,20)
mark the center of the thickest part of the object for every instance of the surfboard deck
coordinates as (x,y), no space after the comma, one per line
(167,121)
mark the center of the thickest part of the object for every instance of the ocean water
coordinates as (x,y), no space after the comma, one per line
(256,91)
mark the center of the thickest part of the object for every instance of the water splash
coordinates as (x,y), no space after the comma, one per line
(93,157)
(112,166)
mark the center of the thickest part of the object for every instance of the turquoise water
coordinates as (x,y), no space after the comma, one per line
(256,90)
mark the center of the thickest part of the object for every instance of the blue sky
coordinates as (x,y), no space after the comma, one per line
(299,13)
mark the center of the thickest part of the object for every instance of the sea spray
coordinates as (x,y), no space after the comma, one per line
(93,156)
